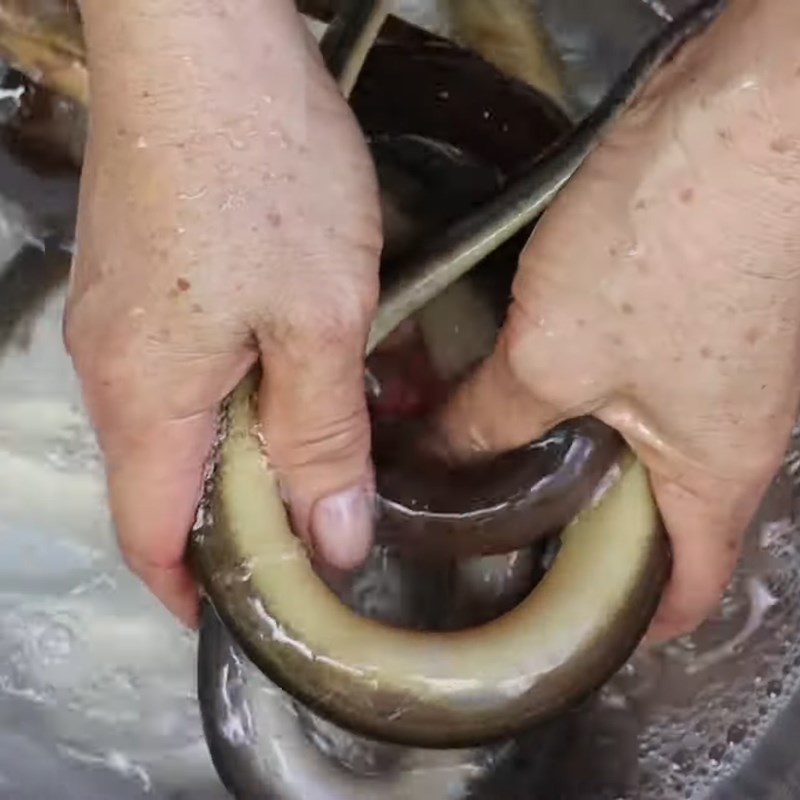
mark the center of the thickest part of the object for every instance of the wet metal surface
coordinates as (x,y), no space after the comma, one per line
(97,691)
(97,682)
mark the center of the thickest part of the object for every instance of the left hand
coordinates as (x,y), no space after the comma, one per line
(661,293)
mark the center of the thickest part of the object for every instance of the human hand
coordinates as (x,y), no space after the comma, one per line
(661,293)
(229,213)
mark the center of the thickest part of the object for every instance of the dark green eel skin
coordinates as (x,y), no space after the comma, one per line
(579,624)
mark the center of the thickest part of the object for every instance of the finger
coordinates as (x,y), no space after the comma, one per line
(493,411)
(316,426)
(155,478)
(706,531)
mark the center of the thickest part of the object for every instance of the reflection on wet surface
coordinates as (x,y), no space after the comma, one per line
(97,682)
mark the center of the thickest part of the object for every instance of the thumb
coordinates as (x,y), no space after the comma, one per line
(316,427)
(493,410)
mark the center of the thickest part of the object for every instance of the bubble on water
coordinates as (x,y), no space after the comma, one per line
(683,759)
(736,733)
(774,688)
(716,753)
(718,690)
(761,600)
(773,535)
(55,642)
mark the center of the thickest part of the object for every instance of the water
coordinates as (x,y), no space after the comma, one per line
(729,682)
(97,694)
(97,686)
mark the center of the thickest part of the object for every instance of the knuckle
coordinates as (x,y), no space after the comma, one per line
(528,364)
(551,364)
(332,317)
(513,342)
(338,440)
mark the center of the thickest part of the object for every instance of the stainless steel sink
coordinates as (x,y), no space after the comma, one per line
(97,682)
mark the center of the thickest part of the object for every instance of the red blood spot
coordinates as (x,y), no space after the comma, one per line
(409,385)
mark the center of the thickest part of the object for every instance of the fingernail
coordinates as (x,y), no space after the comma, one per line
(341,527)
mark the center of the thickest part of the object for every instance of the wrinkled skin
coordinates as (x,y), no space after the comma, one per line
(229,212)
(661,292)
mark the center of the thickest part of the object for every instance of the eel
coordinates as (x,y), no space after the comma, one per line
(445,258)
(348,39)
(429,688)
(426,689)
(430,507)
(44,40)
(510,35)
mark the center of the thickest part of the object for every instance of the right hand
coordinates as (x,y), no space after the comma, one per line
(229,214)
(661,294)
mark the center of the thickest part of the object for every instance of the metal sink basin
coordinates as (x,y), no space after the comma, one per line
(97,682)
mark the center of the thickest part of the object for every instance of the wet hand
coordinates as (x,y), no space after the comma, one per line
(661,293)
(228,215)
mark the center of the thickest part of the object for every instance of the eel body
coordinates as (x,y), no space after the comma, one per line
(432,688)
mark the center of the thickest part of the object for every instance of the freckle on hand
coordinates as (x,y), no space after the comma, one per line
(752,335)
(705,352)
(183,285)
(627,308)
(687,195)
(781,145)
